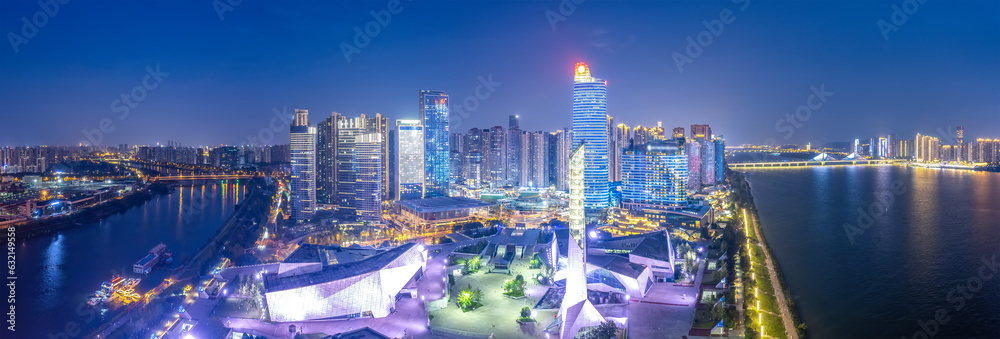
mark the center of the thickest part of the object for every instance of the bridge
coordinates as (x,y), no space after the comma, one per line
(799,164)
(202,177)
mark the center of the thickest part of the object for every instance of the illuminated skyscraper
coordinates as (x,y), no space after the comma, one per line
(654,176)
(693,151)
(368,166)
(590,126)
(701,132)
(302,139)
(409,159)
(720,159)
(576,311)
(678,132)
(707,163)
(434,115)
(619,142)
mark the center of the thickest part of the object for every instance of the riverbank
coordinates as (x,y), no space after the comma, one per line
(92,214)
(771,305)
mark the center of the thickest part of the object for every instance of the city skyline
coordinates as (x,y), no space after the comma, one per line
(868,78)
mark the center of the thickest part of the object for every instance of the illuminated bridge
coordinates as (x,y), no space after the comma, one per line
(202,177)
(794,164)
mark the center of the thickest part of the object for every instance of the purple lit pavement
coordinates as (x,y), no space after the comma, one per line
(409,321)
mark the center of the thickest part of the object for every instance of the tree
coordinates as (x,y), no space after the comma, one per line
(477,296)
(605,330)
(465,300)
(718,311)
(525,312)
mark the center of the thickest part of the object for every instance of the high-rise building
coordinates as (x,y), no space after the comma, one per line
(640,136)
(720,159)
(701,132)
(658,133)
(348,184)
(303,182)
(535,160)
(434,115)
(495,143)
(619,142)
(576,310)
(892,146)
(457,157)
(678,132)
(326,160)
(590,127)
(561,142)
(513,122)
(514,157)
(707,163)
(409,159)
(368,166)
(960,142)
(473,148)
(693,151)
(654,176)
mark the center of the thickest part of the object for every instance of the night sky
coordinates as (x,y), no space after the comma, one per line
(941,68)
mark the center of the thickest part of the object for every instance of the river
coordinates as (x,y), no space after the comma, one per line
(58,272)
(886,251)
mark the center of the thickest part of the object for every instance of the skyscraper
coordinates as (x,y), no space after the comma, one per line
(496,156)
(590,127)
(678,132)
(535,160)
(619,142)
(693,151)
(654,176)
(701,132)
(720,159)
(960,143)
(326,160)
(409,159)
(302,139)
(563,143)
(434,115)
(513,121)
(514,148)
(368,167)
(707,163)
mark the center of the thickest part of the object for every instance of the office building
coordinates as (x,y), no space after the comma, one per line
(693,151)
(434,115)
(409,159)
(720,159)
(368,178)
(655,176)
(302,197)
(701,132)
(590,127)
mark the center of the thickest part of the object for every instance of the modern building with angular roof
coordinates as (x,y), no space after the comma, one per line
(332,282)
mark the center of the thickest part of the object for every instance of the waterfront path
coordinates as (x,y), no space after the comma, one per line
(779,293)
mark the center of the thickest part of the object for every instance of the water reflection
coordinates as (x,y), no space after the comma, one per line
(52,273)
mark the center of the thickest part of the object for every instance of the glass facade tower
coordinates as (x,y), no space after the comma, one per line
(302,139)
(409,159)
(590,127)
(434,115)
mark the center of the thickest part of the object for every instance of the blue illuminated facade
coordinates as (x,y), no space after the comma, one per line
(590,126)
(434,115)
(654,176)
(720,159)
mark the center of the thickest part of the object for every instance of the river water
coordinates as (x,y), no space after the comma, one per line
(58,272)
(886,251)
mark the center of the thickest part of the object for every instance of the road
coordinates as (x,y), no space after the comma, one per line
(779,293)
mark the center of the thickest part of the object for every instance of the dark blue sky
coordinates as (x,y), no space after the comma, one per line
(939,69)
